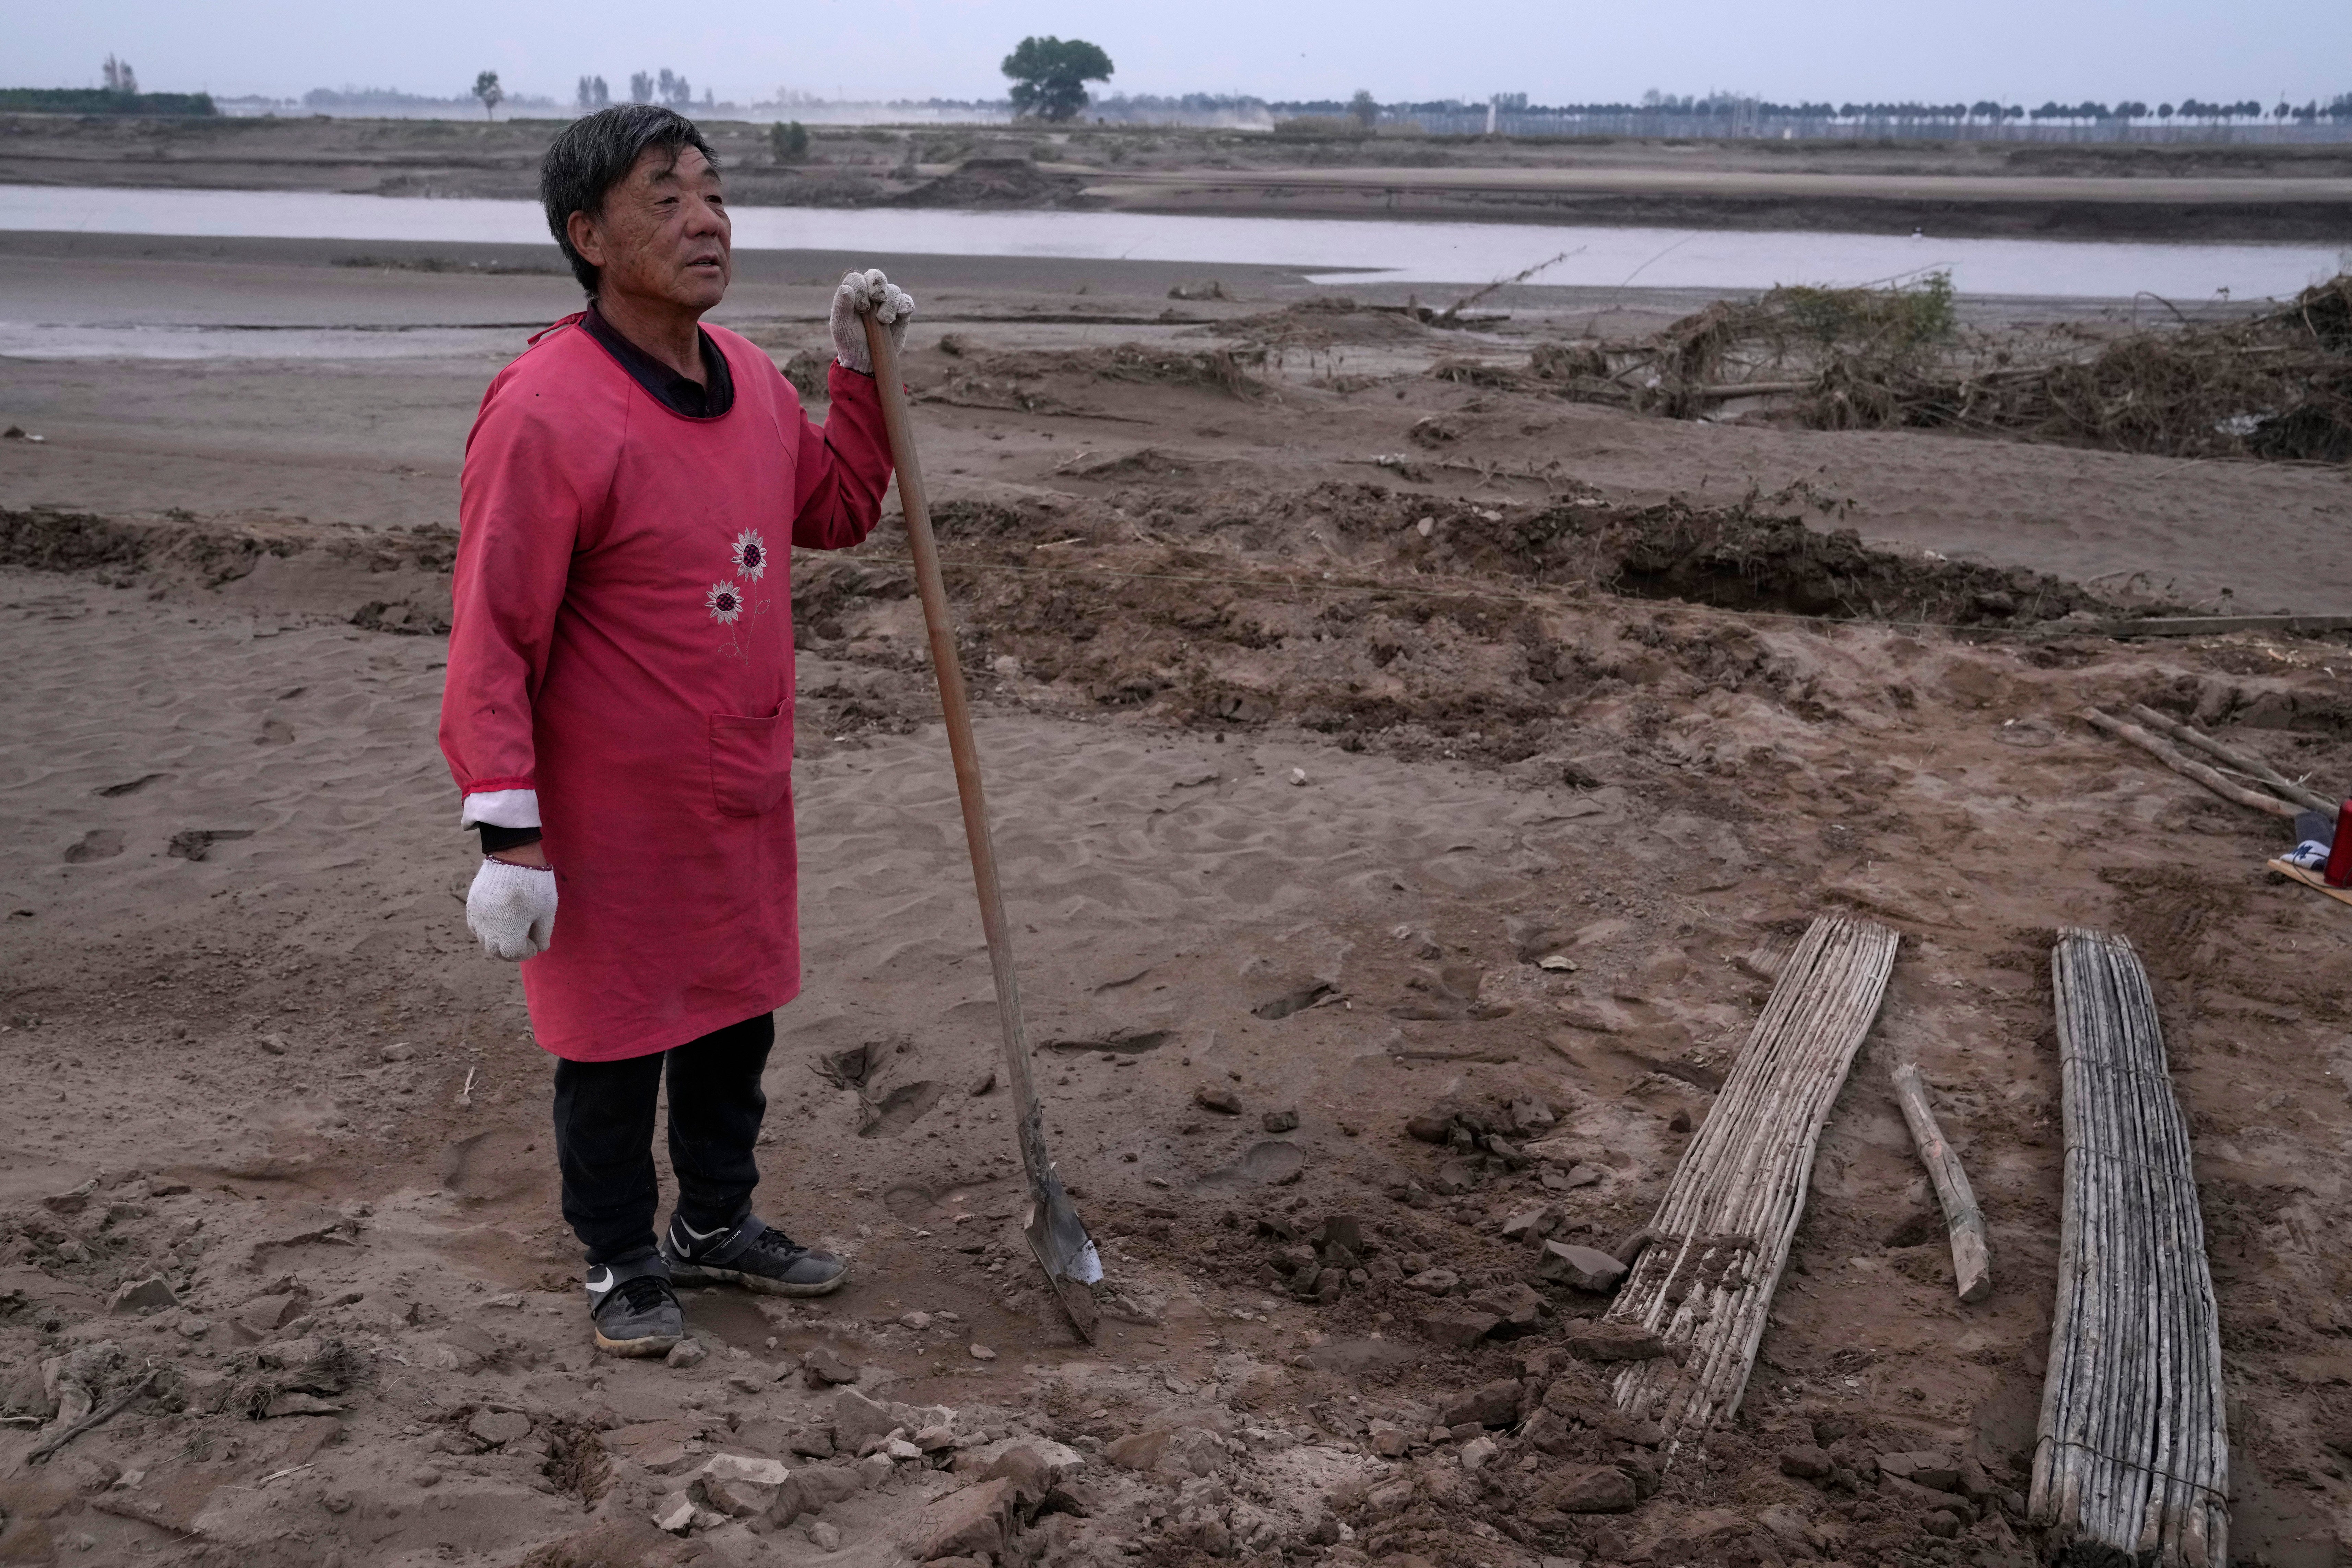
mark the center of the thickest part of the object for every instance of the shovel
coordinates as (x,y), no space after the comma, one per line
(1057,1235)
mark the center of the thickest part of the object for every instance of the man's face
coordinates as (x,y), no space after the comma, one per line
(663,234)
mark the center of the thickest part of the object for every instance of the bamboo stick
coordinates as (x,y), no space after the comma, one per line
(2132,1449)
(1971,1257)
(2243,762)
(1725,1222)
(2187,769)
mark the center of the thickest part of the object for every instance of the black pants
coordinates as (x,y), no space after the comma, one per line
(605,1137)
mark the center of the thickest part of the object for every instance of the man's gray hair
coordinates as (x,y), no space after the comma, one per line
(594,153)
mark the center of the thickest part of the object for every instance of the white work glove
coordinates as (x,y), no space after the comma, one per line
(511,909)
(861,292)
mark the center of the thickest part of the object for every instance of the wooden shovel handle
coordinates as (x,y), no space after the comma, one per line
(957,711)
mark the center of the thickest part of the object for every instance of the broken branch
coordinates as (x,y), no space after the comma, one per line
(2172,759)
(2254,766)
(1971,1259)
(96,1417)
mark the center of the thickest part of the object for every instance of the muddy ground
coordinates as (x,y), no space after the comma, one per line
(2136,192)
(1302,763)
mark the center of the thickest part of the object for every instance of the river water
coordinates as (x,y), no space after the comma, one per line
(1328,250)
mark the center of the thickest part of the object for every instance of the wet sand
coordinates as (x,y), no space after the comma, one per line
(1253,734)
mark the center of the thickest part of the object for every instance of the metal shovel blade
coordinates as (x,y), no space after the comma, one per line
(1063,1248)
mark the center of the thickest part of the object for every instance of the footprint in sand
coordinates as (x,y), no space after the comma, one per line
(195,844)
(97,845)
(132,787)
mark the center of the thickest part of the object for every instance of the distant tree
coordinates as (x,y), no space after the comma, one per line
(789,140)
(2131,110)
(1049,76)
(2164,111)
(594,94)
(674,89)
(641,88)
(487,88)
(119,77)
(1365,108)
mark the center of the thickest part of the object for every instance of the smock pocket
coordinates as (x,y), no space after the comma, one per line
(750,762)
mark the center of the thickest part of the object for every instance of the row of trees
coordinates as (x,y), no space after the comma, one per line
(668,87)
(1367,110)
(1984,111)
(1049,77)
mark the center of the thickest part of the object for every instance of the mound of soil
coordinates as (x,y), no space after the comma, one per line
(995,183)
(210,551)
(1323,322)
(1435,626)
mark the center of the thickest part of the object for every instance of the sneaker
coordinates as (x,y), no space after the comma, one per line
(633,1307)
(752,1256)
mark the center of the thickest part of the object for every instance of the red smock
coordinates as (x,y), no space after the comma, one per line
(621,674)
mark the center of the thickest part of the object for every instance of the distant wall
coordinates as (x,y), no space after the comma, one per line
(99,100)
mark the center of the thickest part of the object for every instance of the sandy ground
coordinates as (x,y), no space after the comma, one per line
(374,441)
(1257,737)
(2173,192)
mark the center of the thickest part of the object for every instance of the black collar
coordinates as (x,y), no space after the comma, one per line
(708,400)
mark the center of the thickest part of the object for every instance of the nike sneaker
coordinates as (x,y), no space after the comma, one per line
(634,1309)
(751,1255)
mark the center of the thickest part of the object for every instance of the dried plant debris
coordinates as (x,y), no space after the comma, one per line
(2275,385)
(1023,378)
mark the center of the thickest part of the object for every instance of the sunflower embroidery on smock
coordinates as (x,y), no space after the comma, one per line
(729,600)
(751,554)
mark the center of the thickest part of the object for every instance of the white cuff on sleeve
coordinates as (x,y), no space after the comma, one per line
(501,809)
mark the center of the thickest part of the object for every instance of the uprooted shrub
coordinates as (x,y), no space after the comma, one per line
(2275,385)
(2278,386)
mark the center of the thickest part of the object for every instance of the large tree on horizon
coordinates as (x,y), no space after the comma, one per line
(1049,76)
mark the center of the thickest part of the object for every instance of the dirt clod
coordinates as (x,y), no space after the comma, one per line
(1805,1462)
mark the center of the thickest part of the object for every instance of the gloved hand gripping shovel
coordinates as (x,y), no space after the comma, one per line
(1057,1235)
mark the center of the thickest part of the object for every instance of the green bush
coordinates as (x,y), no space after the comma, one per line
(99,100)
(1896,321)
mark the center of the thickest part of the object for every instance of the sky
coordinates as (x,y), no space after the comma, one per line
(2018,51)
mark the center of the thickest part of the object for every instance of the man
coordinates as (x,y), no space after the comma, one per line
(618,707)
